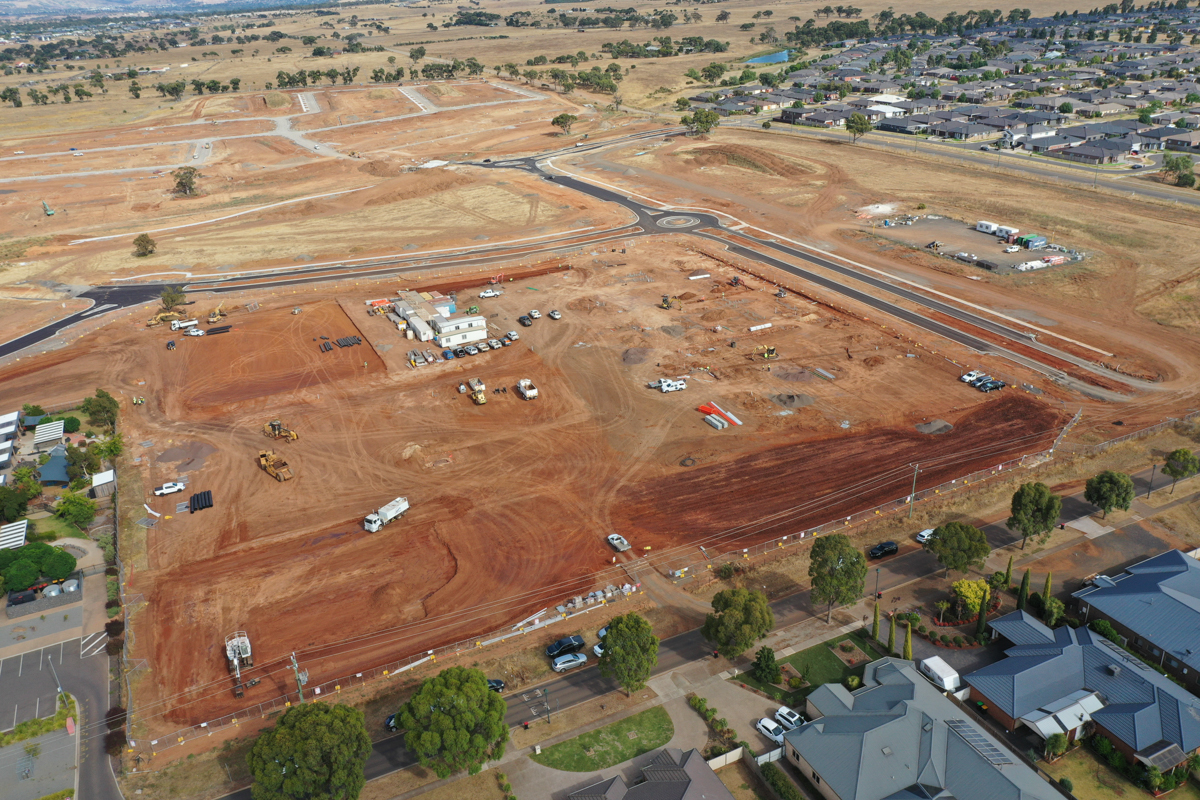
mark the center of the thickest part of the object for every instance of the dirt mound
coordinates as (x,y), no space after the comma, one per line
(188,456)
(278,100)
(381,168)
(874,361)
(791,400)
(749,158)
(688,296)
(934,426)
(789,373)
(635,355)
(716,315)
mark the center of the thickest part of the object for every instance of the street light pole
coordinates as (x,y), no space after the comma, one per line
(877,571)
(912,498)
(1150,488)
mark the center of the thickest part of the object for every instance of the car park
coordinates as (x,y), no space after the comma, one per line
(525,321)
(925,535)
(513,335)
(618,542)
(788,718)
(883,549)
(565,645)
(496,685)
(169,488)
(472,350)
(971,376)
(555,315)
(460,352)
(564,663)
(482,347)
(770,729)
(448,355)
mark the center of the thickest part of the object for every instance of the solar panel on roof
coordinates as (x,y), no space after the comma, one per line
(977,740)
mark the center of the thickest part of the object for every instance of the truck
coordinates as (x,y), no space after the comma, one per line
(941,674)
(476,385)
(526,389)
(667,385)
(183,324)
(392,511)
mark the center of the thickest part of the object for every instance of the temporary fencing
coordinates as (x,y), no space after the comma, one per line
(1166,424)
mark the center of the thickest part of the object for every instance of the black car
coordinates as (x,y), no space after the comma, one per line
(496,685)
(524,320)
(565,646)
(883,549)
(460,352)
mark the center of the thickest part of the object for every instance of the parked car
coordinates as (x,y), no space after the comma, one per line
(390,724)
(506,342)
(1013,248)
(169,488)
(884,549)
(513,335)
(564,663)
(482,347)
(555,315)
(460,352)
(193,332)
(568,644)
(618,542)
(448,355)
(486,293)
(494,344)
(535,314)
(600,634)
(991,386)
(970,376)
(770,729)
(472,350)
(788,718)
(598,649)
(925,535)
(524,320)
(981,380)
(496,685)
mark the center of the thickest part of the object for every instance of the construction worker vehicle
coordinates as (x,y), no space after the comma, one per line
(274,465)
(389,513)
(277,430)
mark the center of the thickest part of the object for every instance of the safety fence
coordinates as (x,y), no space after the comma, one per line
(684,565)
(1139,434)
(145,747)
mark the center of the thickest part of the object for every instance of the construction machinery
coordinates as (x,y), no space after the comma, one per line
(477,391)
(49,211)
(238,655)
(274,465)
(526,389)
(496,279)
(669,300)
(277,430)
(217,314)
(161,317)
(781,293)
(736,281)
(295,311)
(766,351)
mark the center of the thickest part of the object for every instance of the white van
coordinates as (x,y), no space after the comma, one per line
(183,324)
(940,673)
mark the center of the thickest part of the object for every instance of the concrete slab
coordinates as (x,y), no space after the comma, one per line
(1090,528)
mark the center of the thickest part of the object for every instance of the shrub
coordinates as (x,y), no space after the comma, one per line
(1066,784)
(1073,622)
(783,787)
(115,718)
(921,629)
(795,682)
(914,618)
(71,424)
(114,590)
(699,703)
(113,646)
(920,206)
(853,682)
(1105,629)
(958,640)
(1115,759)
(728,570)
(114,742)
(114,628)
(945,638)
(981,639)
(1101,745)
(846,646)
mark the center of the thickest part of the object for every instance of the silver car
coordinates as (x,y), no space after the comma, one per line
(482,347)
(564,663)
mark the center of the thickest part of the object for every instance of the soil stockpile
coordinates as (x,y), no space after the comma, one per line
(791,400)
(635,355)
(935,426)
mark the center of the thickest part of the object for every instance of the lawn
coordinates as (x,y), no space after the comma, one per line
(612,744)
(818,665)
(1096,781)
(59,527)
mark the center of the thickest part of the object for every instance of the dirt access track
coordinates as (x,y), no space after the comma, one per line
(510,501)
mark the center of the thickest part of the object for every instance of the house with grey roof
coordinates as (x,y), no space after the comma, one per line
(899,738)
(1066,679)
(1155,605)
(670,775)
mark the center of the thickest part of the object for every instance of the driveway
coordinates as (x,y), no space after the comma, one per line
(741,708)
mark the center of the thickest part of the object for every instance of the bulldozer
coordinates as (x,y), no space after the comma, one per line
(161,317)
(277,430)
(217,314)
(766,351)
(274,465)
(669,300)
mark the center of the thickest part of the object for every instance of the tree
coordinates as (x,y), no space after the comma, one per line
(970,595)
(702,121)
(101,409)
(1181,463)
(630,652)
(12,95)
(564,121)
(959,546)
(14,502)
(185,180)
(135,89)
(1035,511)
(1052,611)
(765,668)
(1179,169)
(1008,574)
(942,606)
(1047,589)
(417,53)
(891,647)
(454,722)
(1109,490)
(1065,108)
(981,626)
(171,297)
(1023,592)
(58,565)
(837,570)
(858,125)
(111,448)
(316,750)
(907,654)
(875,623)
(77,509)
(20,575)
(143,245)
(1056,745)
(740,617)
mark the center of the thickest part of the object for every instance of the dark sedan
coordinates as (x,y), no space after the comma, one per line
(883,549)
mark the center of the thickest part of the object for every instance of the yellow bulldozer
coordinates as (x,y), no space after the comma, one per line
(274,465)
(277,430)
(217,314)
(161,317)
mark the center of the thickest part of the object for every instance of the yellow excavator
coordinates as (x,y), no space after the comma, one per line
(669,300)
(766,351)
(161,317)
(217,314)
(277,430)
(274,465)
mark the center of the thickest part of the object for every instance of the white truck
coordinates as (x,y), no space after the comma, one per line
(526,389)
(667,385)
(183,324)
(392,511)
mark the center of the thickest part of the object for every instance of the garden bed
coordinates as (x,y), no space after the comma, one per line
(818,665)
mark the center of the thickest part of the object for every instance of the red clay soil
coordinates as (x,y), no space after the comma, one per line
(798,486)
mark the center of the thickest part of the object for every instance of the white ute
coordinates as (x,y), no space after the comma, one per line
(667,385)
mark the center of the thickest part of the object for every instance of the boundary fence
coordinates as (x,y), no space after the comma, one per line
(1170,422)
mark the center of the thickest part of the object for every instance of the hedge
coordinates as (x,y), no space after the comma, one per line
(63,795)
(36,727)
(783,787)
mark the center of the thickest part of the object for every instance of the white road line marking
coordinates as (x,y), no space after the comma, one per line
(88,649)
(21,665)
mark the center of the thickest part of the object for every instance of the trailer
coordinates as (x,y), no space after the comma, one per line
(389,513)
(526,389)
(940,673)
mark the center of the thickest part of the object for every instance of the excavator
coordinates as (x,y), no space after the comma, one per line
(217,314)
(161,317)
(274,465)
(277,430)
(669,300)
(766,351)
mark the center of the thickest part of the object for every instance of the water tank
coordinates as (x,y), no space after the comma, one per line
(70,586)
(52,590)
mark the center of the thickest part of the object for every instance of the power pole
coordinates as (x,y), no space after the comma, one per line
(301,677)
(912,498)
